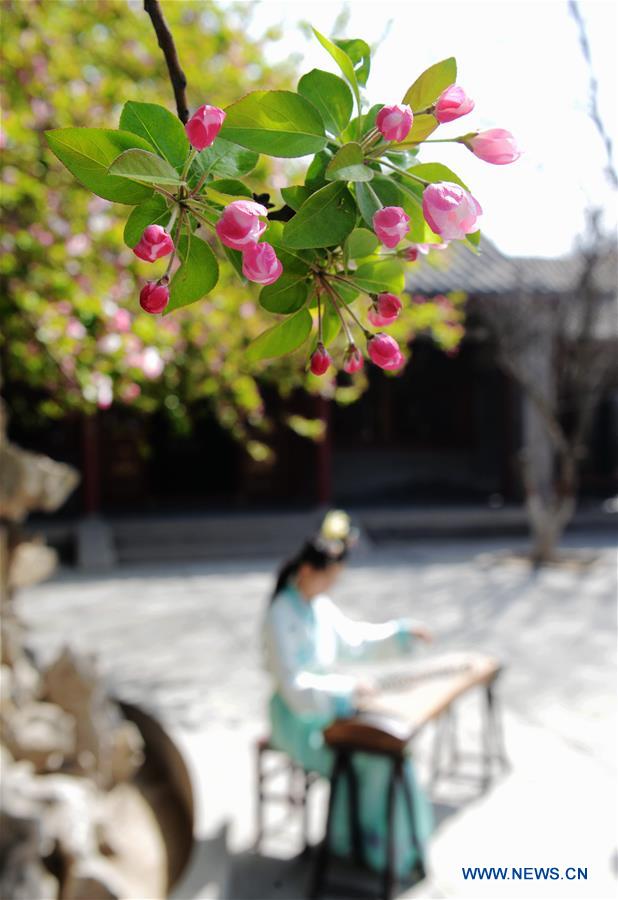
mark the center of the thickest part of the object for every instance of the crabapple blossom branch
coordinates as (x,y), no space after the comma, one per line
(167,45)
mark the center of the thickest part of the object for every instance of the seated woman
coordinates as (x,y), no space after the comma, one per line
(305,636)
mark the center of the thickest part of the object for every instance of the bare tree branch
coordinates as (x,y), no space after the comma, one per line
(595,113)
(167,45)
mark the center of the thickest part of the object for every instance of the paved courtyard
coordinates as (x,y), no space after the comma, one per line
(184,642)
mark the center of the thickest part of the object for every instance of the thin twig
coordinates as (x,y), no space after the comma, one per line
(167,45)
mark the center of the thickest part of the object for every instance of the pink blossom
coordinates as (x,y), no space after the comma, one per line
(450,210)
(246,310)
(320,360)
(131,392)
(102,389)
(411,253)
(110,343)
(496,146)
(152,364)
(121,321)
(77,245)
(452,103)
(385,310)
(154,243)
(204,126)
(354,361)
(260,263)
(154,297)
(391,225)
(240,224)
(384,351)
(75,329)
(394,122)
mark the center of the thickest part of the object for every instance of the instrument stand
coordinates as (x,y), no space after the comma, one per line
(343,768)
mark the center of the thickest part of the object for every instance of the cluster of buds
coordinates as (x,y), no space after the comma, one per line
(382,349)
(449,209)
(154,244)
(240,228)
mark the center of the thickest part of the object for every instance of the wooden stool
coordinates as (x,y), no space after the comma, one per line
(296,796)
(380,736)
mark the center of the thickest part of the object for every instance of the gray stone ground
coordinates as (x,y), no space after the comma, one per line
(183,641)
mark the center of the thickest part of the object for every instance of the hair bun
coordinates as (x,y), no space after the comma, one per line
(337,528)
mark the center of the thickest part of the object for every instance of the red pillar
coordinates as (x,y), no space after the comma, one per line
(324,480)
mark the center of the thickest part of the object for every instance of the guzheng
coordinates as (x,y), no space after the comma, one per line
(409,699)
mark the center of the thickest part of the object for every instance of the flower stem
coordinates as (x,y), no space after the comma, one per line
(319,315)
(401,171)
(333,296)
(348,309)
(188,162)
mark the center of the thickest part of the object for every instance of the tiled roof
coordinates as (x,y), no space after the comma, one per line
(459,269)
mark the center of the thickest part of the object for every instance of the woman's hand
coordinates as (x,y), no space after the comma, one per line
(421,632)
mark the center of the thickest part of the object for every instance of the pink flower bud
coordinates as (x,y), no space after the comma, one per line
(384,351)
(495,146)
(260,263)
(450,210)
(394,122)
(320,360)
(154,297)
(391,225)
(385,310)
(240,224)
(452,103)
(154,243)
(204,126)
(354,361)
(411,253)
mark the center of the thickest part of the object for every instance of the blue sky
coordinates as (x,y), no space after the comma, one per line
(522,64)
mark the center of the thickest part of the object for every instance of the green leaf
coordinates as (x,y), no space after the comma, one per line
(436,172)
(428,86)
(197,275)
(361,243)
(231,186)
(379,275)
(223,158)
(474,240)
(424,124)
(331,323)
(295,195)
(226,190)
(88,153)
(163,130)
(295,262)
(348,165)
(278,123)
(331,97)
(315,176)
(343,61)
(287,295)
(146,168)
(235,258)
(152,212)
(360,54)
(282,338)
(368,202)
(325,219)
